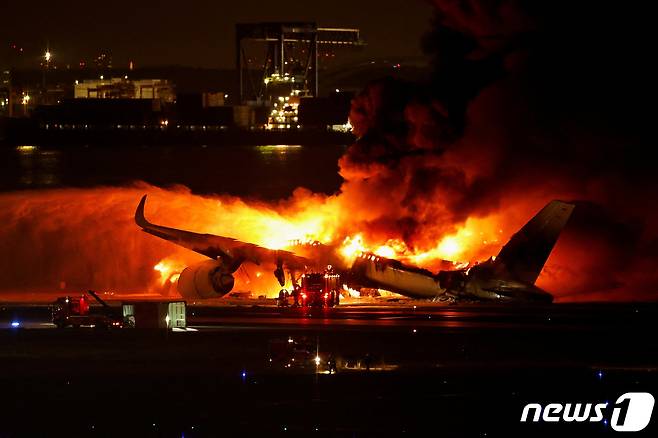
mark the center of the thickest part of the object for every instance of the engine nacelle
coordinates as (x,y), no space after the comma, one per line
(208,279)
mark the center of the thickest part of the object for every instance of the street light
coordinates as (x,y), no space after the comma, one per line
(47,56)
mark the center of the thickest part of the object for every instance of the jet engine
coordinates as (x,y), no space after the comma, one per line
(208,279)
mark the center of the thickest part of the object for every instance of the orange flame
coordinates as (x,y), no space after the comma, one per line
(309,221)
(113,254)
(169,270)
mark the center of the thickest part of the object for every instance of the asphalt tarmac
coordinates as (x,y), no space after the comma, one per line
(401,369)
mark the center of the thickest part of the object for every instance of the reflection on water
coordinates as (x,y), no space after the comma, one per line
(266,171)
(38,167)
(26,149)
(278,152)
(280,149)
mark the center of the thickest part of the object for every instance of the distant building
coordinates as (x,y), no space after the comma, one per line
(213,99)
(123,88)
(5,78)
(329,112)
(5,92)
(290,65)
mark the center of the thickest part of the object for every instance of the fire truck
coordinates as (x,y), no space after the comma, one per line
(76,312)
(315,289)
(319,289)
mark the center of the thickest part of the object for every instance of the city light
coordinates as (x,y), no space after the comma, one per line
(48,56)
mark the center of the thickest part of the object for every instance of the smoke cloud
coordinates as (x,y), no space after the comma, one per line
(530,101)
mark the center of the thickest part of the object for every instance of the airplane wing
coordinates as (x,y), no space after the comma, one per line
(228,249)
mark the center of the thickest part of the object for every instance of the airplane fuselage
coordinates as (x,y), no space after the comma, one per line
(480,282)
(376,272)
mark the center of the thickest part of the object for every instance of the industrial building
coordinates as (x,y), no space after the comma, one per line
(289,70)
(275,88)
(124,88)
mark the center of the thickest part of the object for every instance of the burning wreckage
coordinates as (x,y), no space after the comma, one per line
(510,276)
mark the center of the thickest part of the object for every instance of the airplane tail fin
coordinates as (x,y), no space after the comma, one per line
(526,252)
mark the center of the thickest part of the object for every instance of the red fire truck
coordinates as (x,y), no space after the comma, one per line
(316,289)
(75,312)
(319,289)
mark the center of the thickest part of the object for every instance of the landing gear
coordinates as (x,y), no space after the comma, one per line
(282,301)
(334,298)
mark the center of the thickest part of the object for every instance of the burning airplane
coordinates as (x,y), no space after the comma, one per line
(510,276)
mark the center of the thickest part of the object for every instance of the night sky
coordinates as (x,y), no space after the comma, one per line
(200,33)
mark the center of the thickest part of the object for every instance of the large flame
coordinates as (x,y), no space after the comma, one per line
(309,220)
(86,238)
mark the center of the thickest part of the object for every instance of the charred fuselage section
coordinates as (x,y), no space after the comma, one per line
(510,276)
(478,282)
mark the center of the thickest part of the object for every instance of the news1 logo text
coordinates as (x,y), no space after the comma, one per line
(630,413)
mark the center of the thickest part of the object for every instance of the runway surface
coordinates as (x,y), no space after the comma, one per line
(402,369)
